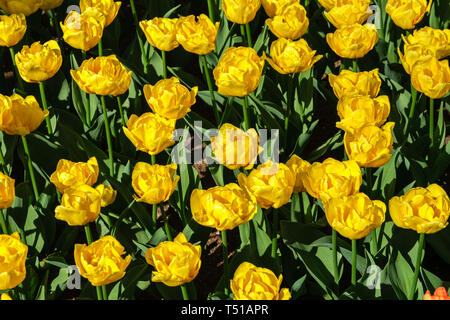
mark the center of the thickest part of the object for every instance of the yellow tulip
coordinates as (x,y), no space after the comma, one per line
(83,31)
(330,4)
(357,111)
(160,33)
(50,4)
(223,208)
(353,41)
(355,216)
(253,283)
(101,262)
(26,7)
(332,179)
(235,148)
(80,205)
(13,254)
(150,132)
(271,183)
(102,76)
(199,36)
(292,22)
(39,62)
(7,191)
(435,40)
(288,56)
(413,54)
(299,167)
(370,146)
(108,8)
(432,77)
(425,210)
(20,115)
(275,7)
(349,83)
(5,296)
(12,29)
(176,262)
(68,173)
(169,98)
(407,13)
(238,71)
(154,183)
(240,11)
(349,13)
(108,194)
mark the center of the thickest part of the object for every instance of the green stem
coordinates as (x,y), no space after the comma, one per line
(334,252)
(353,262)
(417,267)
(413,102)
(30,168)
(183,210)
(100,48)
(249,35)
(16,71)
(243,32)
(166,225)
(184,292)
(431,123)
(211,10)
(104,293)
(45,107)
(355,66)
(274,233)
(108,136)
(290,96)
(122,115)
(3,222)
(3,162)
(141,43)
(211,89)
(164,62)
(154,206)
(225,259)
(245,112)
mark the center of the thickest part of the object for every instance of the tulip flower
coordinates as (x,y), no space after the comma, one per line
(432,77)
(5,296)
(154,183)
(12,29)
(356,111)
(169,98)
(240,11)
(50,4)
(223,208)
(83,30)
(355,216)
(150,132)
(291,23)
(332,179)
(235,148)
(348,13)
(25,7)
(439,294)
(349,83)
(253,283)
(7,191)
(13,254)
(80,205)
(160,33)
(108,8)
(407,13)
(289,56)
(101,262)
(435,40)
(176,262)
(68,173)
(299,167)
(238,71)
(275,7)
(197,35)
(39,62)
(330,4)
(353,41)
(108,194)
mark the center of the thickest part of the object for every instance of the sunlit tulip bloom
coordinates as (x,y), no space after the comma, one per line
(101,262)
(299,167)
(7,191)
(407,13)
(432,77)
(292,22)
(68,173)
(13,254)
(439,294)
(108,8)
(5,296)
(50,4)
(275,7)
(108,194)
(349,13)
(176,262)
(435,40)
(253,283)
(425,210)
(160,33)
(26,7)
(330,4)
(348,83)
(240,11)
(12,29)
